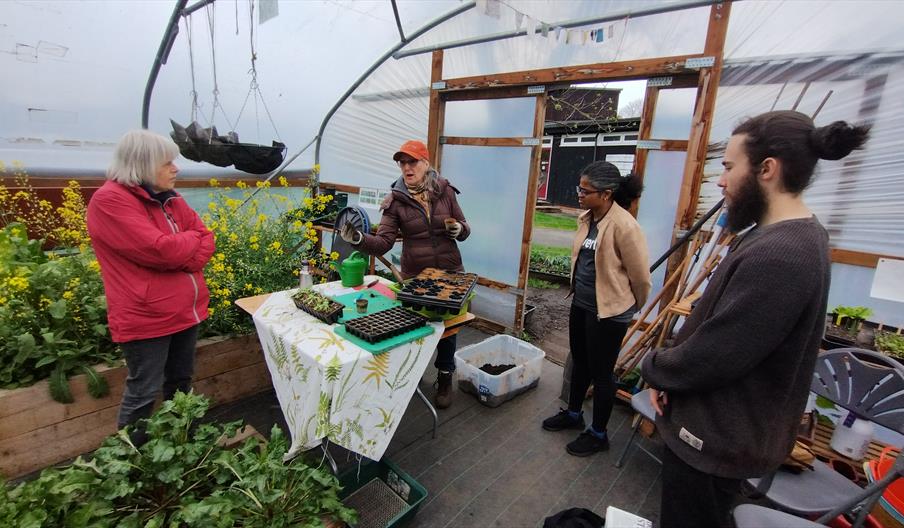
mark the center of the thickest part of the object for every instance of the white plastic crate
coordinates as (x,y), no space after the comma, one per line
(492,390)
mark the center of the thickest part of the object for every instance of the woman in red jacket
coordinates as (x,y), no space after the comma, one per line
(152,248)
(423,208)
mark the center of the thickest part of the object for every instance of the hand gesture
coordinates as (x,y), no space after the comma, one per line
(350,234)
(453,228)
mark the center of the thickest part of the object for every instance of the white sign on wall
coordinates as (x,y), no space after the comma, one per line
(888,281)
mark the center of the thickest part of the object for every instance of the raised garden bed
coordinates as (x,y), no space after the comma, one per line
(37,432)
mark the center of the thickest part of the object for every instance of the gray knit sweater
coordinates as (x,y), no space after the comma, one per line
(738,377)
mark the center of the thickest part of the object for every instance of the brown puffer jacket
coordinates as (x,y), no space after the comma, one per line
(424,244)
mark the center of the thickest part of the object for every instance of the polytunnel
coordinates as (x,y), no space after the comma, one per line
(471,79)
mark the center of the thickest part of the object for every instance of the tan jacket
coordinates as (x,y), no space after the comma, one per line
(622,261)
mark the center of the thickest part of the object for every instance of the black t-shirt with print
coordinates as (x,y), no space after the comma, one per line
(585,272)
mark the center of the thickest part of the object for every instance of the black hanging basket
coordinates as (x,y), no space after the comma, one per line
(257,159)
(205,144)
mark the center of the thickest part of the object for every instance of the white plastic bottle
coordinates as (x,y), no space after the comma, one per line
(852,437)
(305,280)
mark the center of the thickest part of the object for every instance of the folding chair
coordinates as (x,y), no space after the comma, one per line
(640,402)
(864,382)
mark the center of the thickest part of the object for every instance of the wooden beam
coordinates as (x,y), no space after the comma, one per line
(484,142)
(646,125)
(351,189)
(610,71)
(703,113)
(487,93)
(529,204)
(701,124)
(678,145)
(435,115)
(858,258)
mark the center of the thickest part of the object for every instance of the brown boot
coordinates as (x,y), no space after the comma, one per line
(443,398)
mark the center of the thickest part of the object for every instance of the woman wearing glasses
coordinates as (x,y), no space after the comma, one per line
(610,281)
(422,206)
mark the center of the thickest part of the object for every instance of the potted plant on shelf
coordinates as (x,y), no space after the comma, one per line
(844,327)
(890,344)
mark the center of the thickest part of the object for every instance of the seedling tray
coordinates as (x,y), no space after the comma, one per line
(376,302)
(383,495)
(437,290)
(330,316)
(384,325)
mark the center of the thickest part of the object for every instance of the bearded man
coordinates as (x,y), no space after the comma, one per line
(731,391)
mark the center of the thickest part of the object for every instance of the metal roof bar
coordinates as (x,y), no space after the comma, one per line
(627,13)
(425,28)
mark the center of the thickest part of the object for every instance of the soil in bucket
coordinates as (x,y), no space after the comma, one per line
(495,370)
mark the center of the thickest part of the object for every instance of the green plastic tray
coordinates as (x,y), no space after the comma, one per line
(405,489)
(382,346)
(376,302)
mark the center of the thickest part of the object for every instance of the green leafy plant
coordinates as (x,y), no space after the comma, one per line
(53,315)
(551,260)
(890,344)
(854,315)
(313,300)
(181,477)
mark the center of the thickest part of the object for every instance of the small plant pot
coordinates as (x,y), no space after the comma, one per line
(361,306)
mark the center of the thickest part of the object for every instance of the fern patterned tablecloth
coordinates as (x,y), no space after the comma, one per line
(331,388)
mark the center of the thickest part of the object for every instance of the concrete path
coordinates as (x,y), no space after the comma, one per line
(552,237)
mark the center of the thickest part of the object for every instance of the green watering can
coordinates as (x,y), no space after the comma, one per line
(352,269)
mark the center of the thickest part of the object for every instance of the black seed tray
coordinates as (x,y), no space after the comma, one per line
(387,324)
(329,317)
(437,290)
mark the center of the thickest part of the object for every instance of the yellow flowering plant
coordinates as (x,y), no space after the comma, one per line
(53,313)
(263,236)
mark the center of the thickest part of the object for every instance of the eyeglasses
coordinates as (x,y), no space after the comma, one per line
(410,163)
(584,192)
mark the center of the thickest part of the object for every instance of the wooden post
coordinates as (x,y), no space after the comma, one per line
(529,204)
(707,89)
(646,125)
(437,110)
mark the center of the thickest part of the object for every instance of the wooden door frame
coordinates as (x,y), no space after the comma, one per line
(495,85)
(439,96)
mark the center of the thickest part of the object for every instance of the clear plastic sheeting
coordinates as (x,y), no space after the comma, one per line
(493,184)
(812,68)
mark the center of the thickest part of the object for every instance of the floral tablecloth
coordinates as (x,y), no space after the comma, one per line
(331,388)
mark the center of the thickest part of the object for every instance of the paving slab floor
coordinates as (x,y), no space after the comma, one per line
(497,466)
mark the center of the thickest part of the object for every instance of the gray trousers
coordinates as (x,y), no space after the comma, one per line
(166,363)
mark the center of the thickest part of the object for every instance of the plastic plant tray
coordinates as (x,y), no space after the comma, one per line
(329,317)
(384,325)
(383,495)
(437,290)
(376,302)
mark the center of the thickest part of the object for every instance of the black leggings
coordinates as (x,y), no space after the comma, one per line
(595,344)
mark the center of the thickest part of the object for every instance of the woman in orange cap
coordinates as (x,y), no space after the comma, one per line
(423,207)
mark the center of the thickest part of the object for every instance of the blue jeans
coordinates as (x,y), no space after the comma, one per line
(445,354)
(166,363)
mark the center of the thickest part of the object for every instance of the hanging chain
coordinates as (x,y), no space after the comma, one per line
(191,63)
(211,23)
(254,86)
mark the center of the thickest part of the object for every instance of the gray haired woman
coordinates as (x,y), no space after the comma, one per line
(152,248)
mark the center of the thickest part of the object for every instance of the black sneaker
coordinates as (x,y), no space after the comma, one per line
(563,421)
(587,444)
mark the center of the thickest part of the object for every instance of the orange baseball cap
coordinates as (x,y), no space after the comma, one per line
(415,149)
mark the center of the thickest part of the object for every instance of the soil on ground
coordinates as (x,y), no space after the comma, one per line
(548,325)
